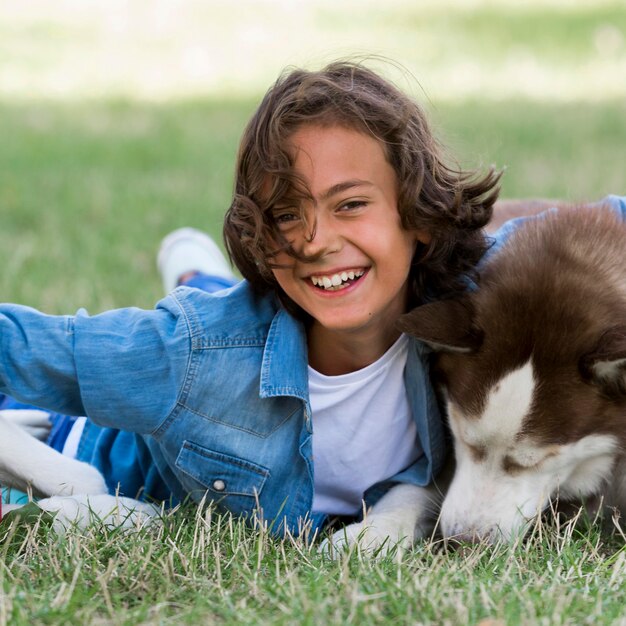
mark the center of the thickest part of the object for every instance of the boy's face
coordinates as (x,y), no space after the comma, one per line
(358,256)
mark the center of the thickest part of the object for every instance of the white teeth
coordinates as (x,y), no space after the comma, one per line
(336,280)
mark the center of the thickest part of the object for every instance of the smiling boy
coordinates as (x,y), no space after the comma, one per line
(291,396)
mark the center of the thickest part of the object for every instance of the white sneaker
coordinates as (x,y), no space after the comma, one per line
(189,250)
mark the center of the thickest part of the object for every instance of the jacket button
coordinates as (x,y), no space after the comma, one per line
(219,485)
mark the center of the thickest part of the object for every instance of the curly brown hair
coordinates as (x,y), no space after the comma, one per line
(451,204)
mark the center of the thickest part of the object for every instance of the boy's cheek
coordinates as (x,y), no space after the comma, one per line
(281,262)
(284,274)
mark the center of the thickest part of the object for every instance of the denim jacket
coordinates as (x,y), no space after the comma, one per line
(215,385)
(212,391)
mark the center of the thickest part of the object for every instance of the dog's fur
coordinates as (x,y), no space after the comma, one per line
(26,462)
(532,367)
(78,491)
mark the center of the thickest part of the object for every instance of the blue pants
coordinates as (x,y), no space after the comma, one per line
(122,457)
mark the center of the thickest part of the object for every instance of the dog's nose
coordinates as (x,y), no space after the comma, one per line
(468,535)
(464,539)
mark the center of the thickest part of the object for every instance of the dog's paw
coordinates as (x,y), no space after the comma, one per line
(89,481)
(33,421)
(112,511)
(373,537)
(68,477)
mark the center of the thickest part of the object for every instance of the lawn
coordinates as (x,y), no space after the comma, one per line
(96,168)
(202,568)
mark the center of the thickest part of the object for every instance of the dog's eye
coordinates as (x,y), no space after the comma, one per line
(479,453)
(527,460)
(512,467)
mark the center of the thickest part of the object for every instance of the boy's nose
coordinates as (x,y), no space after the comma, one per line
(319,236)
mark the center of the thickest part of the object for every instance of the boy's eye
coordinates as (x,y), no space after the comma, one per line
(285,217)
(352,205)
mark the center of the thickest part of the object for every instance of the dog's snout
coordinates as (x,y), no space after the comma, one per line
(468,538)
(463,544)
(463,535)
(463,539)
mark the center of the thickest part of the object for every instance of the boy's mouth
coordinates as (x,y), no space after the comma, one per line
(335,282)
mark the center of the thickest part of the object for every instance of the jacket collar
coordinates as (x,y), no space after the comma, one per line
(284,371)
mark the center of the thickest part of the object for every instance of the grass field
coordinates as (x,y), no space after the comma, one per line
(206,569)
(101,155)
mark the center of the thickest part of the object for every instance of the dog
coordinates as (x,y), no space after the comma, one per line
(532,369)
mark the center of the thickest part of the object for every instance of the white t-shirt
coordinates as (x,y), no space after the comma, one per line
(363,431)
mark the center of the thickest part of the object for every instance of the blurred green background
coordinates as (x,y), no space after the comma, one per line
(119,121)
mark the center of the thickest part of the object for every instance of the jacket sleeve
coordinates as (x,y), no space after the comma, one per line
(123,369)
(617,203)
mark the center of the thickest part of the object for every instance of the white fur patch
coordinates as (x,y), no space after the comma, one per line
(609,370)
(25,461)
(112,511)
(590,463)
(484,502)
(507,405)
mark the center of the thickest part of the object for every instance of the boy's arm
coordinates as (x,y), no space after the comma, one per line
(123,369)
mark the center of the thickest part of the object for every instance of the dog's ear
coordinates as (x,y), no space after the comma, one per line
(605,366)
(447,325)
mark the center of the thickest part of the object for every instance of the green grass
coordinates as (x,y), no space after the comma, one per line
(203,568)
(548,49)
(87,192)
(483,31)
(572,151)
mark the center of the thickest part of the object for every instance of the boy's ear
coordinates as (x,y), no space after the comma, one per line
(605,366)
(423,236)
(447,325)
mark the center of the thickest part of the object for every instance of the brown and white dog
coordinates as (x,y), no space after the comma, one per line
(532,367)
